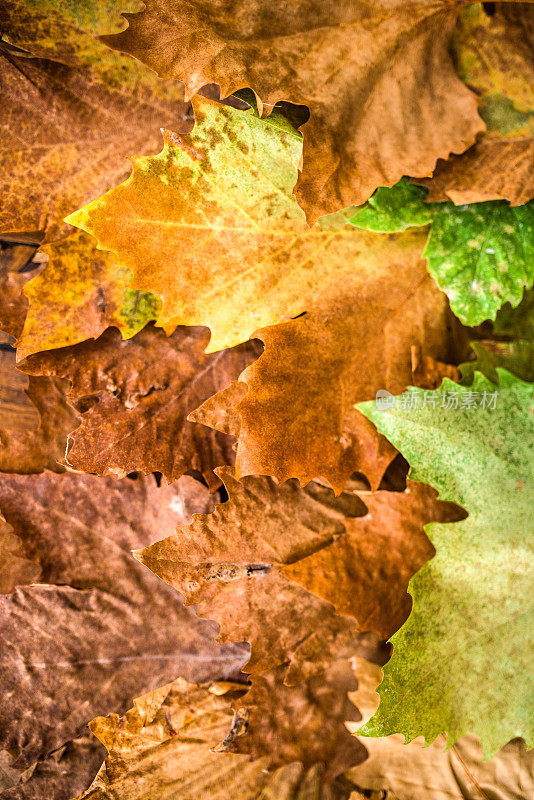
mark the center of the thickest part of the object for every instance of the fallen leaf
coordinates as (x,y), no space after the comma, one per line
(461,657)
(297,419)
(480,255)
(66,130)
(15,568)
(365,572)
(165,745)
(239,565)
(102,628)
(494,58)
(80,292)
(144,389)
(379,81)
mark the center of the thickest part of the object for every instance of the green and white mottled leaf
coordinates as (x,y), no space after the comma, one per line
(462,662)
(481,255)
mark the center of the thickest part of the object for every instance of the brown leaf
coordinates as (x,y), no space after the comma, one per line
(164,746)
(58,776)
(34,451)
(379,80)
(365,572)
(16,410)
(70,651)
(66,133)
(225,563)
(240,563)
(494,55)
(297,419)
(145,388)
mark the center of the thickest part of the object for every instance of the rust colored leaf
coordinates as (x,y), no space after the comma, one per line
(80,292)
(495,58)
(66,132)
(138,395)
(240,563)
(378,79)
(365,572)
(101,628)
(357,338)
(167,745)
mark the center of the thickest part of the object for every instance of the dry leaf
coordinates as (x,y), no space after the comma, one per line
(66,132)
(235,565)
(365,572)
(378,79)
(102,628)
(15,568)
(81,292)
(165,746)
(357,338)
(144,389)
(495,58)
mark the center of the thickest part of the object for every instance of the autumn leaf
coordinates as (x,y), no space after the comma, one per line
(136,396)
(240,566)
(66,130)
(494,58)
(167,743)
(413,772)
(459,675)
(480,255)
(365,572)
(101,628)
(80,293)
(15,568)
(379,81)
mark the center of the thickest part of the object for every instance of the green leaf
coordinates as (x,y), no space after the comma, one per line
(462,662)
(481,255)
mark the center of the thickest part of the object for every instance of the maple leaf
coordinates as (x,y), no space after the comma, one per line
(240,566)
(459,675)
(379,81)
(80,292)
(481,255)
(65,130)
(145,388)
(80,643)
(494,57)
(168,743)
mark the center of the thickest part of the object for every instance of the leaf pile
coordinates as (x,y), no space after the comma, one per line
(266,400)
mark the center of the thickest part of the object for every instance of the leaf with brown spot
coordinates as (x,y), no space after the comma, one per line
(102,628)
(80,292)
(136,396)
(365,572)
(237,566)
(495,58)
(378,79)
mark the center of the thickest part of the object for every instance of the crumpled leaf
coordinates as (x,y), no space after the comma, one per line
(462,657)
(144,389)
(480,255)
(240,564)
(80,292)
(365,572)
(101,628)
(494,57)
(378,79)
(167,745)
(413,772)
(66,130)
